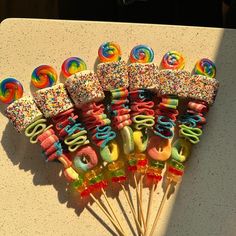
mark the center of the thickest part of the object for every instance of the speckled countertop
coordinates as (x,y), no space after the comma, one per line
(33,199)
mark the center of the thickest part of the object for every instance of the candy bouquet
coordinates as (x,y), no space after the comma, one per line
(119,122)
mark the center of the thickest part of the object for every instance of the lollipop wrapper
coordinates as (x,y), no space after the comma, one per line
(113,75)
(23,112)
(173,82)
(203,88)
(53,100)
(143,76)
(84,87)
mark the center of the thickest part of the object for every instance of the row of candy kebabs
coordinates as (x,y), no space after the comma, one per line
(86,90)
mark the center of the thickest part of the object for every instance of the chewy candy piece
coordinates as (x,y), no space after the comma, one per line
(116,171)
(49,142)
(65,161)
(166,113)
(110,152)
(44,76)
(142,72)
(70,130)
(119,108)
(85,158)
(10,90)
(140,140)
(181,150)
(159,149)
(128,141)
(35,129)
(23,112)
(102,134)
(84,87)
(72,66)
(94,180)
(175,170)
(52,101)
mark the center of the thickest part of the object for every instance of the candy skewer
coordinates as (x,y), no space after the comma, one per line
(86,92)
(113,75)
(120,230)
(191,122)
(66,123)
(170,79)
(169,183)
(132,209)
(150,200)
(142,73)
(138,195)
(141,200)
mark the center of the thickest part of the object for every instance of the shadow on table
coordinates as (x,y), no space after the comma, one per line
(207,195)
(27,156)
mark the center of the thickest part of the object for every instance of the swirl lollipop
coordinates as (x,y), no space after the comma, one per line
(44,76)
(72,65)
(109,51)
(141,54)
(173,60)
(10,90)
(205,67)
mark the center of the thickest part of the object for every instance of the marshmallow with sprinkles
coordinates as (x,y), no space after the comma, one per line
(53,100)
(84,87)
(23,112)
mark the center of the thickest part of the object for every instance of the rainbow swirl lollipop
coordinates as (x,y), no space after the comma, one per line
(10,90)
(173,60)
(141,54)
(72,65)
(44,76)
(109,52)
(205,67)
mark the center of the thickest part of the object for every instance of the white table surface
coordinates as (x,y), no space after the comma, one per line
(33,197)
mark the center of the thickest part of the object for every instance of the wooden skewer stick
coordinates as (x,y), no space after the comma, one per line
(132,210)
(161,207)
(150,200)
(153,189)
(112,210)
(138,194)
(119,230)
(141,200)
